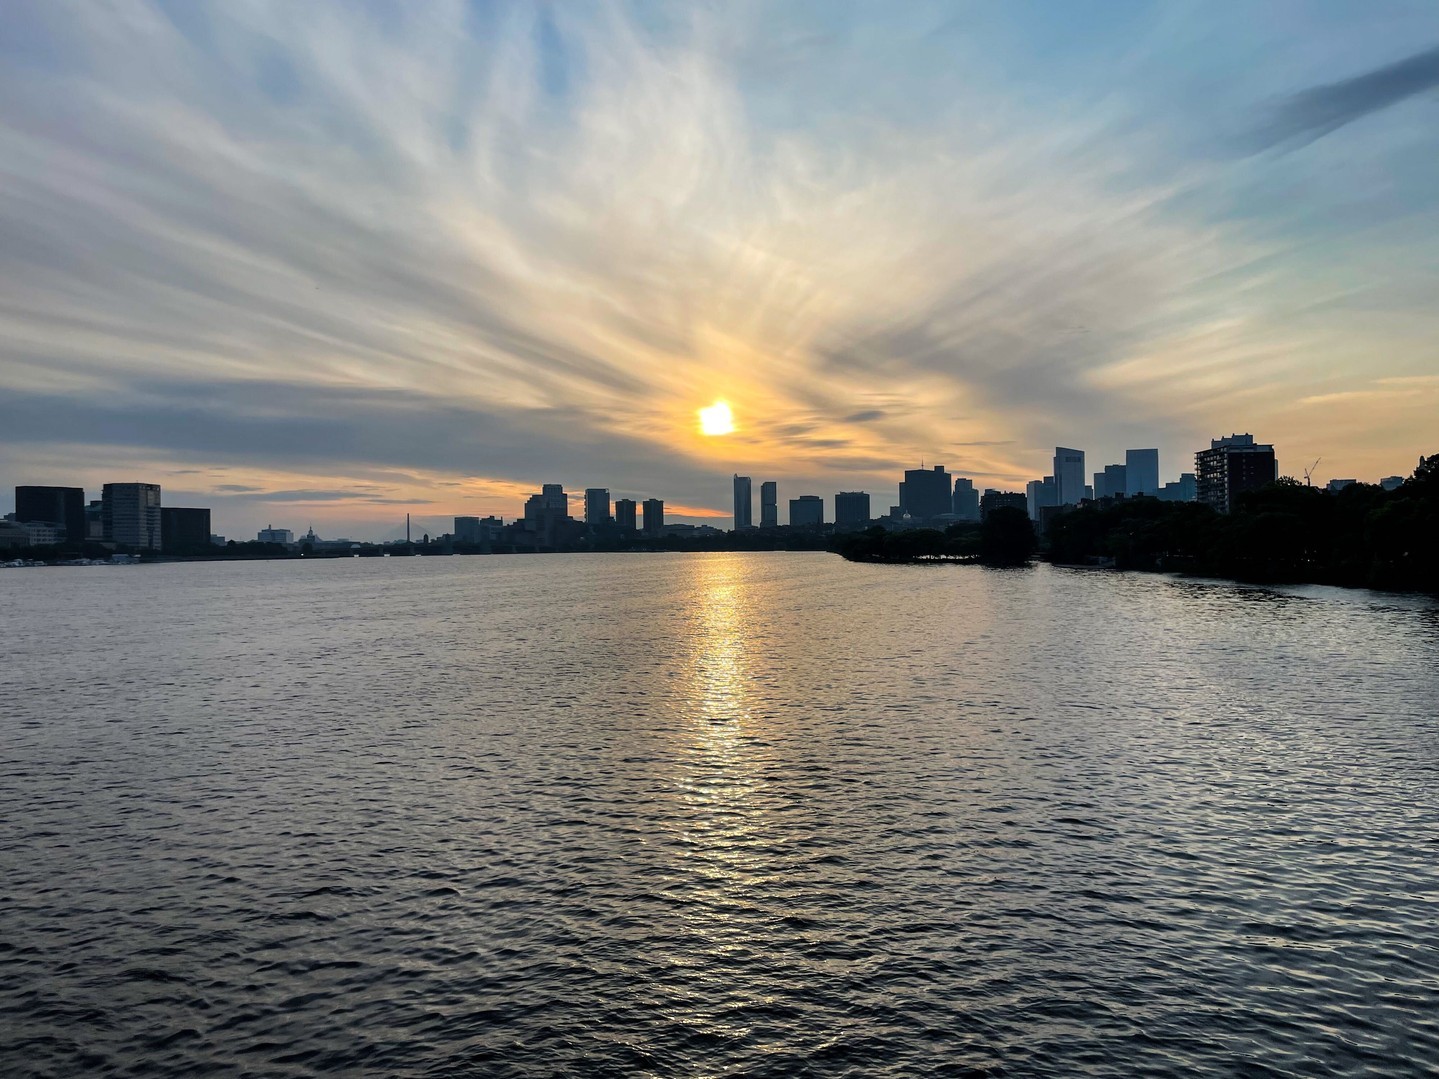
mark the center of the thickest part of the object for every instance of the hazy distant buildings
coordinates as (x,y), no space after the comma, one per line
(1068,476)
(743,504)
(184,529)
(1392,483)
(130,514)
(926,493)
(64,506)
(1141,473)
(1183,490)
(851,509)
(467,530)
(1039,495)
(271,534)
(806,510)
(1231,466)
(992,500)
(965,502)
(1112,482)
(654,509)
(597,507)
(625,513)
(769,504)
(1335,486)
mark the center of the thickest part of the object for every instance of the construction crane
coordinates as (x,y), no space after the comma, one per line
(1310,471)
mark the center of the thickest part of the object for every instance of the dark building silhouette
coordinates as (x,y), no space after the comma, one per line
(1039,495)
(926,492)
(806,510)
(769,504)
(1069,485)
(991,500)
(654,516)
(1141,473)
(183,529)
(625,513)
(56,505)
(743,504)
(1113,482)
(597,506)
(965,504)
(1185,489)
(130,514)
(851,509)
(1231,466)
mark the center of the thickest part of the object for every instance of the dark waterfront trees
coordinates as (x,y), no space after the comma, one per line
(1284,532)
(1006,538)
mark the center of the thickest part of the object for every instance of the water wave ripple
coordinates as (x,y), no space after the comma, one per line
(731,815)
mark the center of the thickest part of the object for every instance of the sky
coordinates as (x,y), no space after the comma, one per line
(329,263)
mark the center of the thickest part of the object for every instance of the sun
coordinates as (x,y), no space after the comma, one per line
(717,419)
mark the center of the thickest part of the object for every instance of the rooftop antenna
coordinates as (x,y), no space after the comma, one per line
(1310,470)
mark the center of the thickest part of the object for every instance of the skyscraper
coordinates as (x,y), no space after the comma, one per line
(625,513)
(851,509)
(966,500)
(131,514)
(57,505)
(806,510)
(1068,476)
(654,516)
(597,506)
(1231,466)
(1141,472)
(1113,482)
(769,504)
(1039,495)
(743,504)
(926,492)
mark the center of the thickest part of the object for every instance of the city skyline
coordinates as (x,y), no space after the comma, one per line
(277,290)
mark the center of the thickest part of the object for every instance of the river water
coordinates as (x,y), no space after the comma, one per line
(713,815)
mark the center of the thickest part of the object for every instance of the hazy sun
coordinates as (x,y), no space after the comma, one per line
(717,419)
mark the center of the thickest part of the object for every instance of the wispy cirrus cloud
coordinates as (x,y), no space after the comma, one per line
(517,244)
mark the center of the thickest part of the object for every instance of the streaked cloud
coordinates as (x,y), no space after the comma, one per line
(443,253)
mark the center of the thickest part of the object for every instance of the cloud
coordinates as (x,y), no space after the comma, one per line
(522,244)
(1316,112)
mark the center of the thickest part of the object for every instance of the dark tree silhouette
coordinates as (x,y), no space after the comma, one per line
(1006,538)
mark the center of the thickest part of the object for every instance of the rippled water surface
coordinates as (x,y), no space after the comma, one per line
(762,815)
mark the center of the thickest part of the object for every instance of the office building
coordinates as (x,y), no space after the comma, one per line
(1182,490)
(625,513)
(965,503)
(95,520)
(467,530)
(743,504)
(1068,476)
(851,509)
(993,500)
(1112,482)
(64,506)
(806,510)
(597,507)
(654,509)
(926,493)
(1141,472)
(1231,466)
(1335,486)
(1392,483)
(769,504)
(130,514)
(271,534)
(1039,496)
(183,529)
